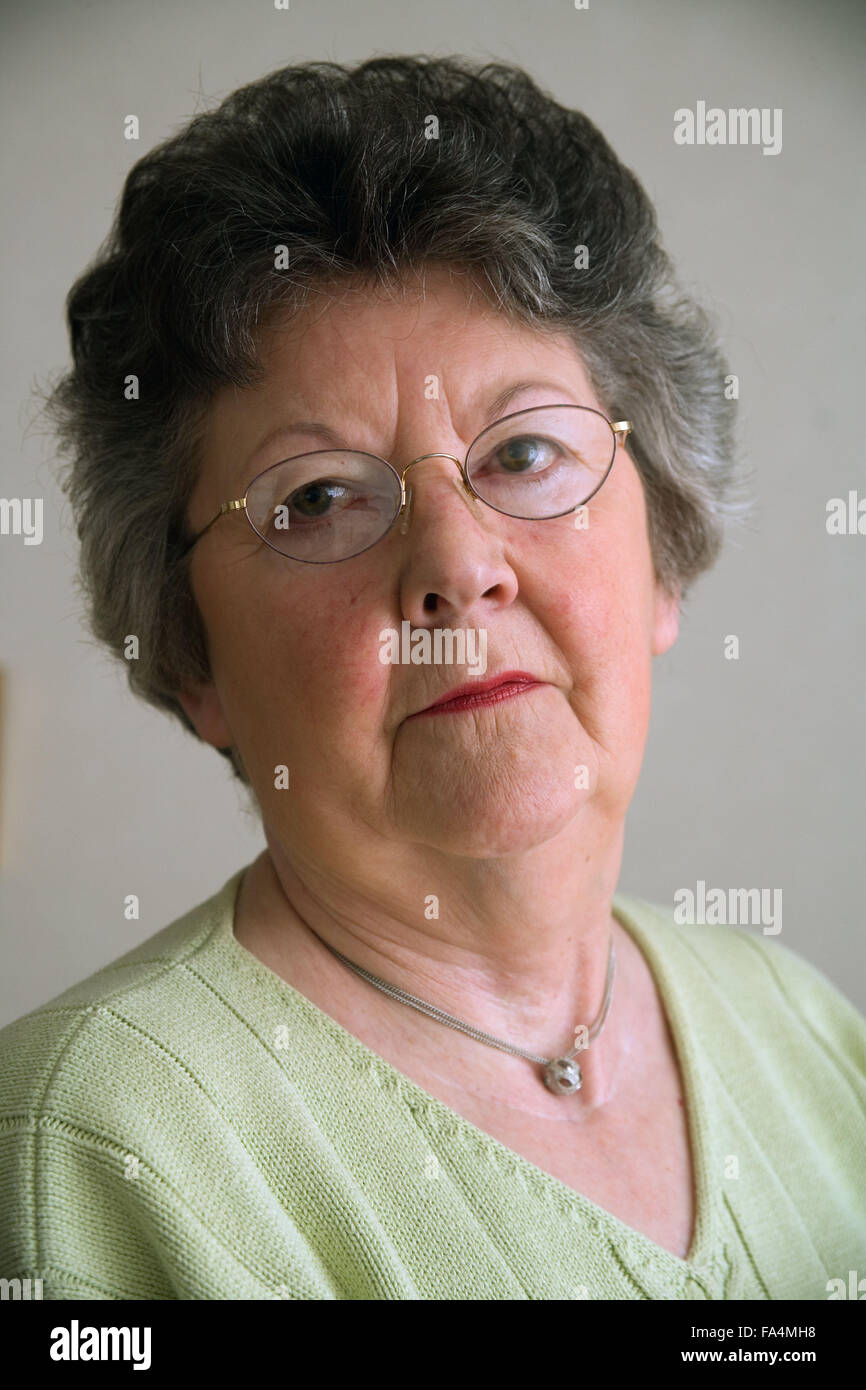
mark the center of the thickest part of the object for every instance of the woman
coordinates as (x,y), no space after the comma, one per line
(377,357)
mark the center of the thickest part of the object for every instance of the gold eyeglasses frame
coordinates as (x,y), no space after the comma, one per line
(621,430)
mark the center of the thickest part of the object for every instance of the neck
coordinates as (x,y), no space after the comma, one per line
(515,946)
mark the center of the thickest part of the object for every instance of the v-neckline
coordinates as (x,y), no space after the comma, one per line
(697,1116)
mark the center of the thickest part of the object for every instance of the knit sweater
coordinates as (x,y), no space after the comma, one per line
(184,1124)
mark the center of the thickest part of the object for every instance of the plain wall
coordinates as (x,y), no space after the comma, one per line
(754,769)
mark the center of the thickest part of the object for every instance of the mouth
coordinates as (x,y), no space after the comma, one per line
(477,694)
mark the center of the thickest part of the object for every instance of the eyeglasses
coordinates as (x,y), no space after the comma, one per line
(329,505)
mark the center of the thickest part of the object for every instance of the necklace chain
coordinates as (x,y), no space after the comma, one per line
(561,1074)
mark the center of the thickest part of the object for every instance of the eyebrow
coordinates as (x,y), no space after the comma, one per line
(505,397)
(320,430)
(313,427)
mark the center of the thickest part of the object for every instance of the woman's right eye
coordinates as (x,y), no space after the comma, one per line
(315,500)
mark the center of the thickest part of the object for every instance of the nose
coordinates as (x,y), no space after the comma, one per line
(455,567)
(421,457)
(406,509)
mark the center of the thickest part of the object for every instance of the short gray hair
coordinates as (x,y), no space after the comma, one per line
(334,163)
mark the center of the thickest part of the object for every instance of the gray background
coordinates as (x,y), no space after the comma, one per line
(754,770)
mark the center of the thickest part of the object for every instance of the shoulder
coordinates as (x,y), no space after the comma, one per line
(99,1090)
(81,1025)
(742,975)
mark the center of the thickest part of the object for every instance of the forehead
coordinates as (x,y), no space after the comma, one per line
(358,346)
(367,363)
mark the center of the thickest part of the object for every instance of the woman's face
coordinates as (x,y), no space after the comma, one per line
(294,647)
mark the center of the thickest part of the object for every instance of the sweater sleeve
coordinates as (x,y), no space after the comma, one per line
(101,1200)
(69,1212)
(833,1022)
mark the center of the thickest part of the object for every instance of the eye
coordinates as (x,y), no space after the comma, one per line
(316,499)
(524,453)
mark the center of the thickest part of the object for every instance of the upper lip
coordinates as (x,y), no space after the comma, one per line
(481,687)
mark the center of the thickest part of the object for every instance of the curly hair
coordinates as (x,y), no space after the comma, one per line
(336,164)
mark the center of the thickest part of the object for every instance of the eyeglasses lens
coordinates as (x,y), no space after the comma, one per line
(536,464)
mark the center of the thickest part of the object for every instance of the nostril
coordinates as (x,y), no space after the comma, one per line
(430,603)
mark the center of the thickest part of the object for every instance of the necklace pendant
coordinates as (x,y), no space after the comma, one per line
(563,1076)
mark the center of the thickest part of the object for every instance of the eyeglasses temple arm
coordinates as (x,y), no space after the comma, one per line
(235,506)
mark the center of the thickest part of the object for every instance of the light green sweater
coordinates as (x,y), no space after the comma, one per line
(186,1125)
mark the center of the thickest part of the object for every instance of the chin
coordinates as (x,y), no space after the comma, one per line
(480,826)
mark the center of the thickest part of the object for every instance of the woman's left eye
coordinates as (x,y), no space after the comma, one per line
(521,454)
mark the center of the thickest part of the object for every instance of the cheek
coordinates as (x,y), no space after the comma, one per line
(580,586)
(309,660)
(592,591)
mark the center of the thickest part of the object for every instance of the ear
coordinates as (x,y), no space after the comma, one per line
(666,619)
(203,708)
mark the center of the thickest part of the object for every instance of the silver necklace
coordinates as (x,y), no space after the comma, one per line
(562,1075)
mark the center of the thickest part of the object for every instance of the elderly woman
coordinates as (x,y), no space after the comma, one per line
(383,372)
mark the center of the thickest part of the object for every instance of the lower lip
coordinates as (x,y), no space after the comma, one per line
(506,691)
